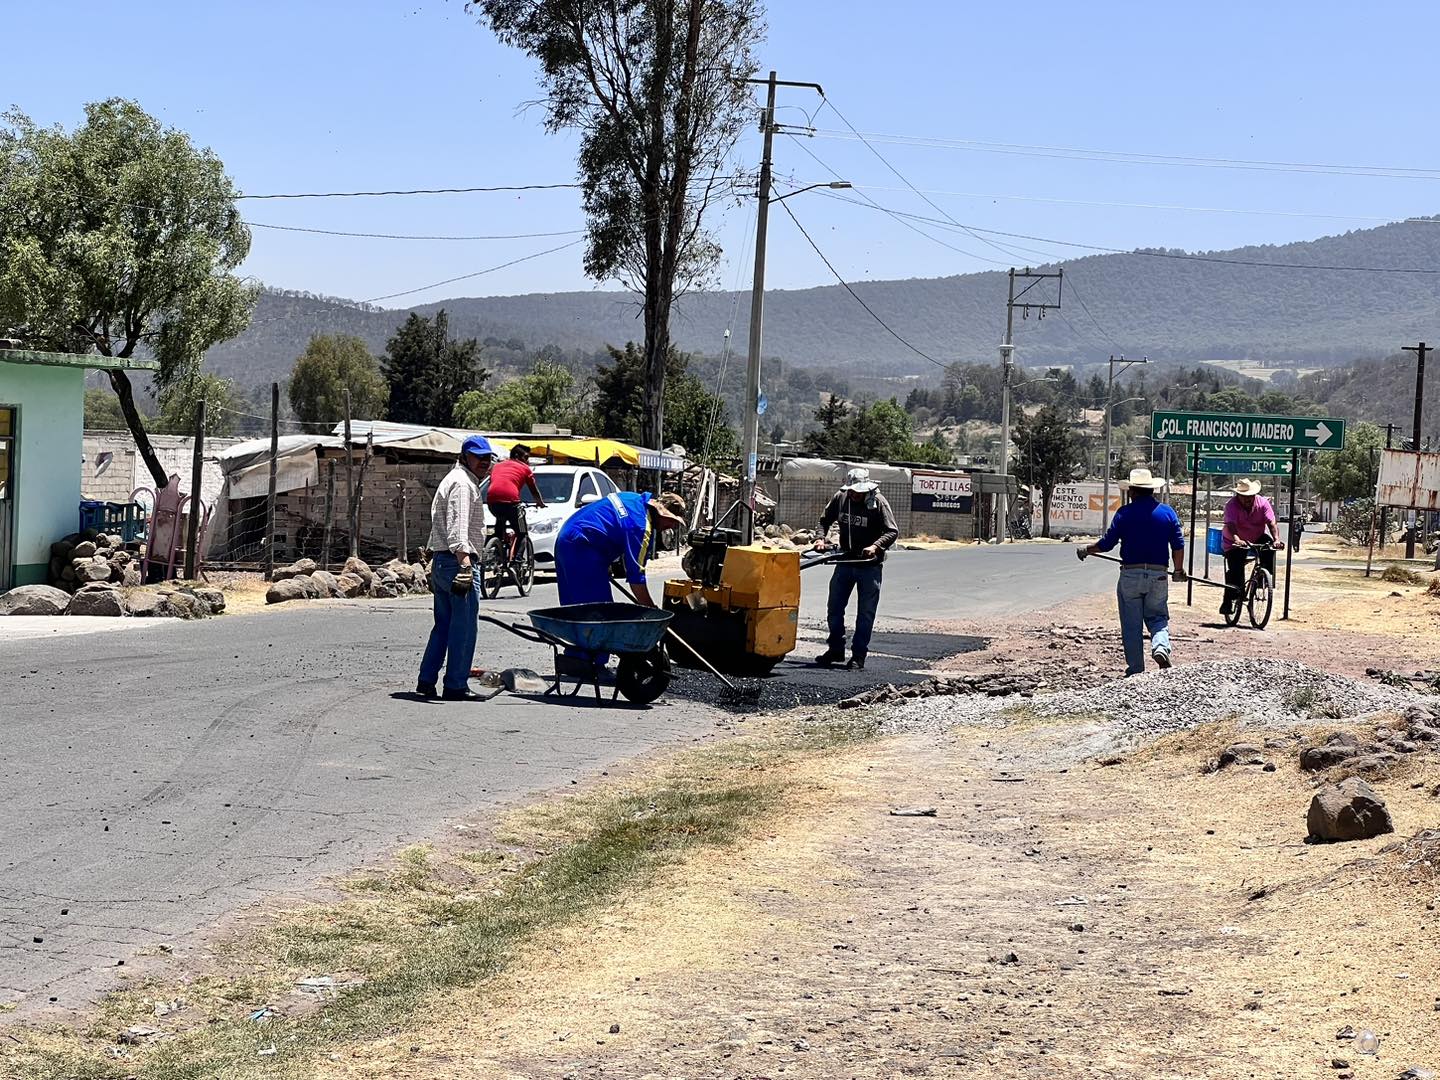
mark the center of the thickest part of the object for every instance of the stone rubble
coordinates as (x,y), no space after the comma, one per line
(305,580)
(1124,710)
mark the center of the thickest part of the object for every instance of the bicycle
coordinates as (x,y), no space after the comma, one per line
(1259,591)
(513,561)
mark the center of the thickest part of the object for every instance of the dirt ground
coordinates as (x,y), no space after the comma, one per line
(1055,917)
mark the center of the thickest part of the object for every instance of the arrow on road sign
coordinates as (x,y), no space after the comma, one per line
(1320,433)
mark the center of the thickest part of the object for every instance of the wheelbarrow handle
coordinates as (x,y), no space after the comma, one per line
(842,557)
(527,633)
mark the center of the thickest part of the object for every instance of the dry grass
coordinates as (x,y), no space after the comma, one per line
(417,932)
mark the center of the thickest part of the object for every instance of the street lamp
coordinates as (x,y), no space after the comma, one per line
(1109,413)
(751,405)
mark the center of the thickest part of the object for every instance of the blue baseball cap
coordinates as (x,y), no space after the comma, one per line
(477,445)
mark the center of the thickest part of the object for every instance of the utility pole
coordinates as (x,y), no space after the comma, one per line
(197,474)
(1420,352)
(1384,510)
(270,490)
(1109,411)
(751,404)
(349,479)
(1007,369)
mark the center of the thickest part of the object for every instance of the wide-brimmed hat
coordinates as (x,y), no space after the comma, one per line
(858,480)
(1247,487)
(1141,478)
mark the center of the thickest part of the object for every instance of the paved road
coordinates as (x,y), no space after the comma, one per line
(155,778)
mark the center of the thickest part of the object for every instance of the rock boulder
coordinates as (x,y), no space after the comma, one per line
(97,600)
(1338,748)
(144,603)
(327,581)
(1349,810)
(34,600)
(288,589)
(350,585)
(182,605)
(360,568)
(92,570)
(298,568)
(83,550)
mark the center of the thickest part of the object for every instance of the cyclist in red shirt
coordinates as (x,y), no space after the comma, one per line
(503,496)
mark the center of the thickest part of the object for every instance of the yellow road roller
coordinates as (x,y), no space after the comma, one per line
(739,607)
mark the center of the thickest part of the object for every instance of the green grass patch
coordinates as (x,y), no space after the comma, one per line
(431,923)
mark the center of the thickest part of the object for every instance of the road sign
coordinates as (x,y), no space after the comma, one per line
(1286,432)
(1246,466)
(1241,450)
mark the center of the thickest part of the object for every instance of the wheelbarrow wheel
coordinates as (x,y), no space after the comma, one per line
(643,677)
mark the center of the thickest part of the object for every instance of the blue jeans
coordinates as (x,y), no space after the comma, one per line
(846,579)
(1144,597)
(452,639)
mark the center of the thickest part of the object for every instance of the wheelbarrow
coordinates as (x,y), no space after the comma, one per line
(630,631)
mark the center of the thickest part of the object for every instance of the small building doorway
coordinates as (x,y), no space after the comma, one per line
(7,493)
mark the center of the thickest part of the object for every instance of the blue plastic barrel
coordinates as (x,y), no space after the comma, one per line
(1214,540)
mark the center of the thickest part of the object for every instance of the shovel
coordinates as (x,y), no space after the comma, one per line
(748,694)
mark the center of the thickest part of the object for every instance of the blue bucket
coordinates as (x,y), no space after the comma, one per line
(1215,540)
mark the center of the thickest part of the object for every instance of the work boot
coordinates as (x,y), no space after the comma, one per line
(857,662)
(426,690)
(455,693)
(831,656)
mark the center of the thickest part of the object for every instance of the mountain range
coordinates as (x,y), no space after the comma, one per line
(1310,303)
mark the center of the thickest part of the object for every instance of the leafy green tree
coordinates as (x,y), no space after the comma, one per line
(427,370)
(1047,454)
(1349,473)
(180,400)
(656,90)
(102,411)
(620,404)
(119,237)
(330,365)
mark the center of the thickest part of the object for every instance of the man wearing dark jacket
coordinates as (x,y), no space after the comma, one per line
(867,529)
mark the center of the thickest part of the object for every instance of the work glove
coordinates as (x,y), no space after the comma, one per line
(1178,575)
(464,582)
(1082,554)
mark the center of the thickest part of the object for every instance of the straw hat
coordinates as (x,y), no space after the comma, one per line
(1141,478)
(1247,487)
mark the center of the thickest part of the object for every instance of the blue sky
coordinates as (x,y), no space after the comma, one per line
(304,96)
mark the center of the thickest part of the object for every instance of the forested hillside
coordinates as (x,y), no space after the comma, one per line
(1177,308)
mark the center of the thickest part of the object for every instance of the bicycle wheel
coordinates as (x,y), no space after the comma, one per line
(522,567)
(1232,614)
(1262,598)
(492,569)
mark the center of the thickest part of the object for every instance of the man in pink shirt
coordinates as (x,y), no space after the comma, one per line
(1249,519)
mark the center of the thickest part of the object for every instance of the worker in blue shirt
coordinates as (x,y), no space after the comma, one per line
(1149,534)
(622,527)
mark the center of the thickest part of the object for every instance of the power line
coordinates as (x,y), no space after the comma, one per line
(909,225)
(408,236)
(906,181)
(1131,158)
(1086,308)
(853,294)
(409,191)
(477,273)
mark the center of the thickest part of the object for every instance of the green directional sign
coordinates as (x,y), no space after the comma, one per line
(1241,450)
(1283,432)
(1246,466)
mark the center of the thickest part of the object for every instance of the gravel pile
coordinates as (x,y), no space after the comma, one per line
(1145,706)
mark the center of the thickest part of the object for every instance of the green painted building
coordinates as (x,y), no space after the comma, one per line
(42,422)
